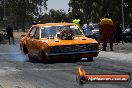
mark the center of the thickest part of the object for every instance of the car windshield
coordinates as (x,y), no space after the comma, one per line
(51,31)
(95,26)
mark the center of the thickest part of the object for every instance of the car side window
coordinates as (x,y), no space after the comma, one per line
(33,29)
(36,34)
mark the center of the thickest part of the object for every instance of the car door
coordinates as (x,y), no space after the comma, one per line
(30,39)
(35,42)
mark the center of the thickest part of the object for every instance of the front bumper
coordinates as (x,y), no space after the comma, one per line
(74,54)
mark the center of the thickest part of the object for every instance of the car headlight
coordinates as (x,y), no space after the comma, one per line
(92,47)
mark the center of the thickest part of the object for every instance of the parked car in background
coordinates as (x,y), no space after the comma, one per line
(95,31)
(52,41)
(3,35)
(127,35)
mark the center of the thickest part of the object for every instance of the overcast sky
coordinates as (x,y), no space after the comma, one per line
(58,4)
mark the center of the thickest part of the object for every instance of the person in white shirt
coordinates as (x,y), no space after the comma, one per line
(87,30)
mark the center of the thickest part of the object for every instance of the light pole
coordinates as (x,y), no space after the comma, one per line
(4,11)
(123,20)
(123,23)
(0,11)
(4,18)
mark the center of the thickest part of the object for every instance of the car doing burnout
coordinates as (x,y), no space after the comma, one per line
(50,41)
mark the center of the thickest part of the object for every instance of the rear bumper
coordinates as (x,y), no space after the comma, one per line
(74,54)
(127,37)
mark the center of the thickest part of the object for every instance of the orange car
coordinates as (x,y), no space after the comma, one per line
(58,40)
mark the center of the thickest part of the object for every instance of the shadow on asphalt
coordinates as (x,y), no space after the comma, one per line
(58,61)
(3,42)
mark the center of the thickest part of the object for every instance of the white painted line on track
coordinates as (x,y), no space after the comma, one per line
(116,56)
(37,69)
(10,53)
(8,70)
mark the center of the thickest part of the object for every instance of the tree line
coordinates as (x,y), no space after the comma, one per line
(93,10)
(21,13)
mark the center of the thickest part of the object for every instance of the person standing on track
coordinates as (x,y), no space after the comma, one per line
(107,30)
(9,31)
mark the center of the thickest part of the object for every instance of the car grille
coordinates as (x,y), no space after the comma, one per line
(73,48)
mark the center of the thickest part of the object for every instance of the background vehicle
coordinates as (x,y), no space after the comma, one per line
(58,40)
(127,35)
(3,35)
(95,31)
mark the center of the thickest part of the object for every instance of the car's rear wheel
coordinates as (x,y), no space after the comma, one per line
(32,59)
(24,49)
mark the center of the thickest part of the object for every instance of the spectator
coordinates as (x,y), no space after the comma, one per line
(86,30)
(107,29)
(77,20)
(118,33)
(9,31)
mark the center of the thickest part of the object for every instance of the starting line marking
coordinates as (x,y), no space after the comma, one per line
(37,69)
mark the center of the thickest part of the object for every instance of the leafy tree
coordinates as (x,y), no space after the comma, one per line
(93,10)
(89,9)
(24,10)
(54,16)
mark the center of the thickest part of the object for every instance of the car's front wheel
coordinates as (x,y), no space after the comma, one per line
(89,59)
(78,59)
(44,57)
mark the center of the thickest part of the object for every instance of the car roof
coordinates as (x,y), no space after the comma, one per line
(54,24)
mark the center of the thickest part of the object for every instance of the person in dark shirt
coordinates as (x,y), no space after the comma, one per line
(118,34)
(9,31)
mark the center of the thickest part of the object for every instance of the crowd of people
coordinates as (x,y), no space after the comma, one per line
(109,31)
